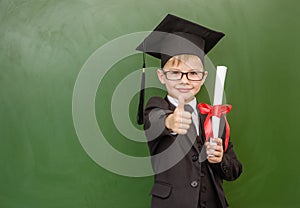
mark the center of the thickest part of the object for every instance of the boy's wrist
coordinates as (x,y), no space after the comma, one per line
(167,122)
(167,125)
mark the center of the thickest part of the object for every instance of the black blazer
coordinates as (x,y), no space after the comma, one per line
(180,180)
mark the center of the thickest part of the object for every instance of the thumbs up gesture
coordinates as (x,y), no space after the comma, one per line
(180,120)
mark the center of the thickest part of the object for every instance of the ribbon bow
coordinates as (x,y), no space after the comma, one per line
(216,110)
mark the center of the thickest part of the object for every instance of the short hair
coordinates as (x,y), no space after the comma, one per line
(175,60)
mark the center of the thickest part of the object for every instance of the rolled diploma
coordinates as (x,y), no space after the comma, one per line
(218,97)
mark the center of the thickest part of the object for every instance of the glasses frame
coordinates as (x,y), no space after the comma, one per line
(184,73)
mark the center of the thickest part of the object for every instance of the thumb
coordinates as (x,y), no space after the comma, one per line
(181,102)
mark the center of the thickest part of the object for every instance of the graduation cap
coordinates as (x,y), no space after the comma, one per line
(175,36)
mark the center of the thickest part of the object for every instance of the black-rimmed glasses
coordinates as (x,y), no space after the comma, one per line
(177,75)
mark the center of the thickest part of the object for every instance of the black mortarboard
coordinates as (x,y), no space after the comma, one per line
(176,36)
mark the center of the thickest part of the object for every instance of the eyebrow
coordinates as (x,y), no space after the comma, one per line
(192,70)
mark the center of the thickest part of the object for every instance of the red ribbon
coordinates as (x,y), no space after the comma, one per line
(216,110)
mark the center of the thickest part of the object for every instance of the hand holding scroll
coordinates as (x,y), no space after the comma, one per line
(214,152)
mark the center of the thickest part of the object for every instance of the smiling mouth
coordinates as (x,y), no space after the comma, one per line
(184,89)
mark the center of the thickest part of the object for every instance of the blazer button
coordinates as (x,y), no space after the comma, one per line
(194,184)
(195,158)
(225,168)
(203,205)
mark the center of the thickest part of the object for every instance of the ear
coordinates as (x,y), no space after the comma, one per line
(161,76)
(204,78)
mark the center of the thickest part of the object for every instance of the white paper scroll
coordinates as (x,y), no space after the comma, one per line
(218,97)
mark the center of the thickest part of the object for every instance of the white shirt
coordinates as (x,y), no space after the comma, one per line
(193,103)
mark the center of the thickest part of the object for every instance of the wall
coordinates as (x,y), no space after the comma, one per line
(44,45)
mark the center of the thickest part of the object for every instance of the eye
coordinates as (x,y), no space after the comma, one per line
(174,72)
(194,73)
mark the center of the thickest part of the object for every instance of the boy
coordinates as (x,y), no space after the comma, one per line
(185,177)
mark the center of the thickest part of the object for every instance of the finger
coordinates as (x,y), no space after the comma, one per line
(179,120)
(210,152)
(214,153)
(186,115)
(218,141)
(217,154)
(181,102)
(183,126)
(186,121)
(214,159)
(219,148)
(206,144)
(181,131)
(215,147)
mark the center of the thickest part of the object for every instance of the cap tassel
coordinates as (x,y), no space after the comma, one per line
(140,115)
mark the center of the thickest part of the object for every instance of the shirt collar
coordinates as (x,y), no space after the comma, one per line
(192,103)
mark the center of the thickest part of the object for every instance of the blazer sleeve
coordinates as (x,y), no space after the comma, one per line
(158,136)
(230,168)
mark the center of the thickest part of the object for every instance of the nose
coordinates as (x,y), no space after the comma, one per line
(184,79)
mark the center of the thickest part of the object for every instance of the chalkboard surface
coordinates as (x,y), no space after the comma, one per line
(44,46)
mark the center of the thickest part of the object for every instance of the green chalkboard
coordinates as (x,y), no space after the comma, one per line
(44,47)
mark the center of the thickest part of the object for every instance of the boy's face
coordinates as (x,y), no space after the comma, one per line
(185,87)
